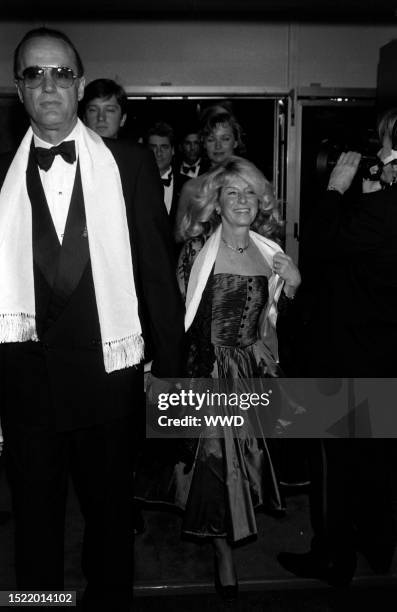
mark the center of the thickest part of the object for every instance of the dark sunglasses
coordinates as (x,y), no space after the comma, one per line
(33,76)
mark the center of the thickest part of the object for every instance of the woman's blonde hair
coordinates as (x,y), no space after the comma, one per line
(200,217)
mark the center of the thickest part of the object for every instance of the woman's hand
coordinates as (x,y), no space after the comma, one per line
(288,271)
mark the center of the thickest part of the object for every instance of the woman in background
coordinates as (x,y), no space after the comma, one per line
(221,137)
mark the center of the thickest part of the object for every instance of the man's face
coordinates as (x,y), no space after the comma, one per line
(163,151)
(191,148)
(52,110)
(104,116)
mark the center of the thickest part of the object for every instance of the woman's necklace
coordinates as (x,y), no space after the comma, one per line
(240,250)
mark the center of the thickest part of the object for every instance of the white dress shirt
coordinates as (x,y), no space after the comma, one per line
(58,184)
(168,190)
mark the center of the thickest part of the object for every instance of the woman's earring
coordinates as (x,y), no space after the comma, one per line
(218,211)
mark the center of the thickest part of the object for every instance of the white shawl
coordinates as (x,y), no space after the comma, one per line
(109,246)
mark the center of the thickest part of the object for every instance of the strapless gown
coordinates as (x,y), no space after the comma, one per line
(232,475)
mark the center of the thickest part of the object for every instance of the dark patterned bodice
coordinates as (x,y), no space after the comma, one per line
(227,318)
(236,306)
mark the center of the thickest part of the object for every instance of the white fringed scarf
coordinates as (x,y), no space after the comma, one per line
(109,246)
(203,265)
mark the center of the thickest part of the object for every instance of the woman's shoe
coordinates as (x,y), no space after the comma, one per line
(227,592)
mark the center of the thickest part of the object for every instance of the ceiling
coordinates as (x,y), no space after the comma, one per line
(265,10)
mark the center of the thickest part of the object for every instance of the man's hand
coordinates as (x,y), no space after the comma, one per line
(344,172)
(371,186)
(155,386)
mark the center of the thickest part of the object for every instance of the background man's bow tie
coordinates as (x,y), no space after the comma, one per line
(187,168)
(45,157)
(167,181)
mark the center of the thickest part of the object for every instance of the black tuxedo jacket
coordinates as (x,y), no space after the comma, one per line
(61,380)
(179,181)
(352,326)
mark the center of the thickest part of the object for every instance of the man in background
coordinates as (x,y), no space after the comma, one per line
(104,107)
(351,331)
(190,149)
(160,138)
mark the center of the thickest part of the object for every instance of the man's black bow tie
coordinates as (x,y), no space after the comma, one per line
(45,157)
(186,168)
(167,181)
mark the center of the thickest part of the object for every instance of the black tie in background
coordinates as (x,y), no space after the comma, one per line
(167,181)
(186,169)
(45,157)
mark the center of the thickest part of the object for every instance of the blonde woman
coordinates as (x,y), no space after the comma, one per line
(232,273)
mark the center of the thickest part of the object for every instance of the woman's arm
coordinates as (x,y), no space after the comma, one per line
(288,271)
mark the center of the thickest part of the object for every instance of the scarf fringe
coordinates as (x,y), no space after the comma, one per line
(18,327)
(120,354)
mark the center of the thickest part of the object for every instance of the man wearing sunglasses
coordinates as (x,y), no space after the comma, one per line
(86,274)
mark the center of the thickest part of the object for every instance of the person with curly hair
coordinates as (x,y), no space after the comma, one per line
(221,138)
(232,273)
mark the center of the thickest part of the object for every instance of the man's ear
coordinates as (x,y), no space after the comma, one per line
(19,91)
(123,120)
(80,88)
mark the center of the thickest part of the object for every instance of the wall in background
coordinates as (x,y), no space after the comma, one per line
(337,55)
(270,57)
